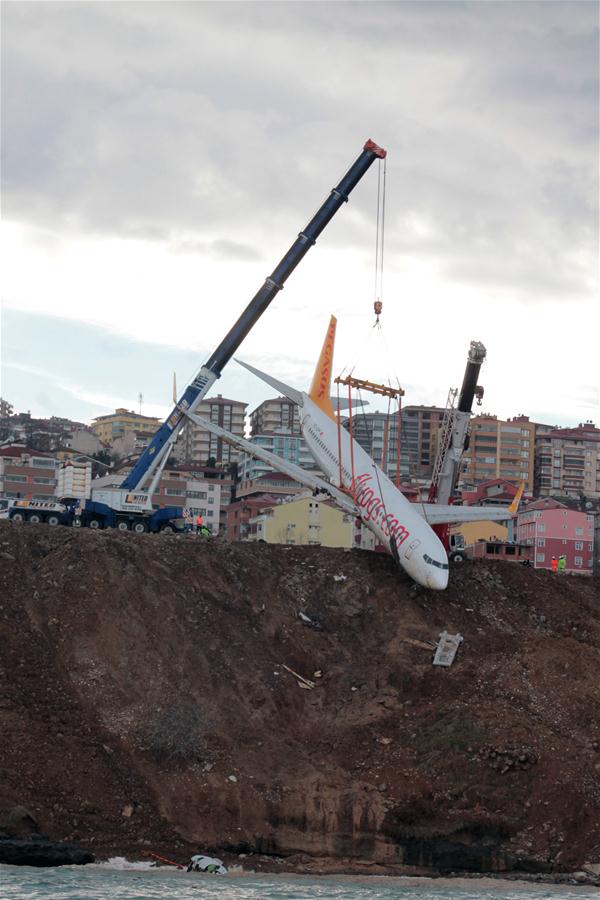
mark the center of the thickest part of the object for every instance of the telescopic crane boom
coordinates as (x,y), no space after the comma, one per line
(155,456)
(455,427)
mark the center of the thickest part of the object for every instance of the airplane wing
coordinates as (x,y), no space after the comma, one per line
(436,513)
(309,479)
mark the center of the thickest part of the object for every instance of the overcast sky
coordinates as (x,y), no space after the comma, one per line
(159,159)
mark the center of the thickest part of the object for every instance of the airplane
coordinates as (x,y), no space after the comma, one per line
(356,483)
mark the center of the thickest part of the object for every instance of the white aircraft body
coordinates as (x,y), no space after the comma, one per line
(357,484)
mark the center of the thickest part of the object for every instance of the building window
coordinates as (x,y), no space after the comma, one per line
(44,463)
(579,531)
(541,527)
(541,542)
(20,478)
(579,560)
(579,545)
(44,481)
(590,547)
(540,557)
(174,492)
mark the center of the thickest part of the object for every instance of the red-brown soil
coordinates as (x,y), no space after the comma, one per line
(144,704)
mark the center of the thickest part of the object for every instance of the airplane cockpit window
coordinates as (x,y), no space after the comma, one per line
(434,562)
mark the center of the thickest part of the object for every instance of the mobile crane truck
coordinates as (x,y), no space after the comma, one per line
(130,505)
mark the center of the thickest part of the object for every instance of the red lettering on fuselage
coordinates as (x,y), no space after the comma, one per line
(374,510)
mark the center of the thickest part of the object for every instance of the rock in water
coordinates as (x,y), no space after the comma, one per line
(42,853)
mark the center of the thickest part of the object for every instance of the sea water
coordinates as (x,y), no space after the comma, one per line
(101,882)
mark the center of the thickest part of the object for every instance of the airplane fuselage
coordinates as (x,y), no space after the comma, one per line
(384,509)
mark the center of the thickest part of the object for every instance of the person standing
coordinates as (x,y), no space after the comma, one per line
(562,563)
(554,564)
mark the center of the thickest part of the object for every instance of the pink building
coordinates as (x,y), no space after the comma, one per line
(555,530)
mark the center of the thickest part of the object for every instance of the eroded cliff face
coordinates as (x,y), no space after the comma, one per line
(146,703)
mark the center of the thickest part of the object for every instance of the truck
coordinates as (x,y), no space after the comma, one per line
(129,506)
(52,512)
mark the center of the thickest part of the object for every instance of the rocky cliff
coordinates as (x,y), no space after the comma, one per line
(150,699)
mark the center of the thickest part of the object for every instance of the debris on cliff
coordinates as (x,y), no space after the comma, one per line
(164,693)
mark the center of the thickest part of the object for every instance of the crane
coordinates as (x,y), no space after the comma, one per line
(130,505)
(453,440)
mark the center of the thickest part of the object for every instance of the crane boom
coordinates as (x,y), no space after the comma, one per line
(455,428)
(155,455)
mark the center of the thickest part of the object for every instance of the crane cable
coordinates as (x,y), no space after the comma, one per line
(376,329)
(379,240)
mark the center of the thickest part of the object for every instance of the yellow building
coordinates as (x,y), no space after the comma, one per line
(303,521)
(122,422)
(480,531)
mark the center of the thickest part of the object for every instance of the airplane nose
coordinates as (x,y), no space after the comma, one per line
(438,579)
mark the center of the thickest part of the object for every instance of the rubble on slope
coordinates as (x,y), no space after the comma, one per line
(157,695)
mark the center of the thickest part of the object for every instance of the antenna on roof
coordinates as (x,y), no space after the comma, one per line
(140,401)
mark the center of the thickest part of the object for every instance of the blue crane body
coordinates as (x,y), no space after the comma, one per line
(130,506)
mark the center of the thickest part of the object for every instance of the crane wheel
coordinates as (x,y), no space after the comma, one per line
(34,518)
(457,557)
(53,520)
(77,523)
(94,523)
(140,527)
(18,517)
(123,525)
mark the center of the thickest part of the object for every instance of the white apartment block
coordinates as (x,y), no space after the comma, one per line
(200,445)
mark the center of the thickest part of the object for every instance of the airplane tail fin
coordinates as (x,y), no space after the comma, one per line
(320,388)
(514,506)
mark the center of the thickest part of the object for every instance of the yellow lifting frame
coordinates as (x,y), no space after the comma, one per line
(360,384)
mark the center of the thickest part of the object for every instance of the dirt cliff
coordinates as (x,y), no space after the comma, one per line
(145,703)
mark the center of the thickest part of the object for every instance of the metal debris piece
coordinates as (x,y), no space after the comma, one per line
(309,684)
(447,648)
(424,645)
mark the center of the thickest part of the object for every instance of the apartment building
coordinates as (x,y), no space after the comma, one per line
(289,447)
(200,445)
(242,510)
(499,448)
(418,440)
(567,461)
(377,433)
(39,434)
(303,521)
(555,530)
(275,483)
(27,474)
(276,415)
(121,422)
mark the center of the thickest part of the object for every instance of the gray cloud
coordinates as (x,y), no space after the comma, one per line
(212,127)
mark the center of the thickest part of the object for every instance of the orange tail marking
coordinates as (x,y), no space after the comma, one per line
(514,506)
(320,388)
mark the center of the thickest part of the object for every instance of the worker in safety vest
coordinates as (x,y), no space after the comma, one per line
(554,564)
(562,563)
(199,523)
